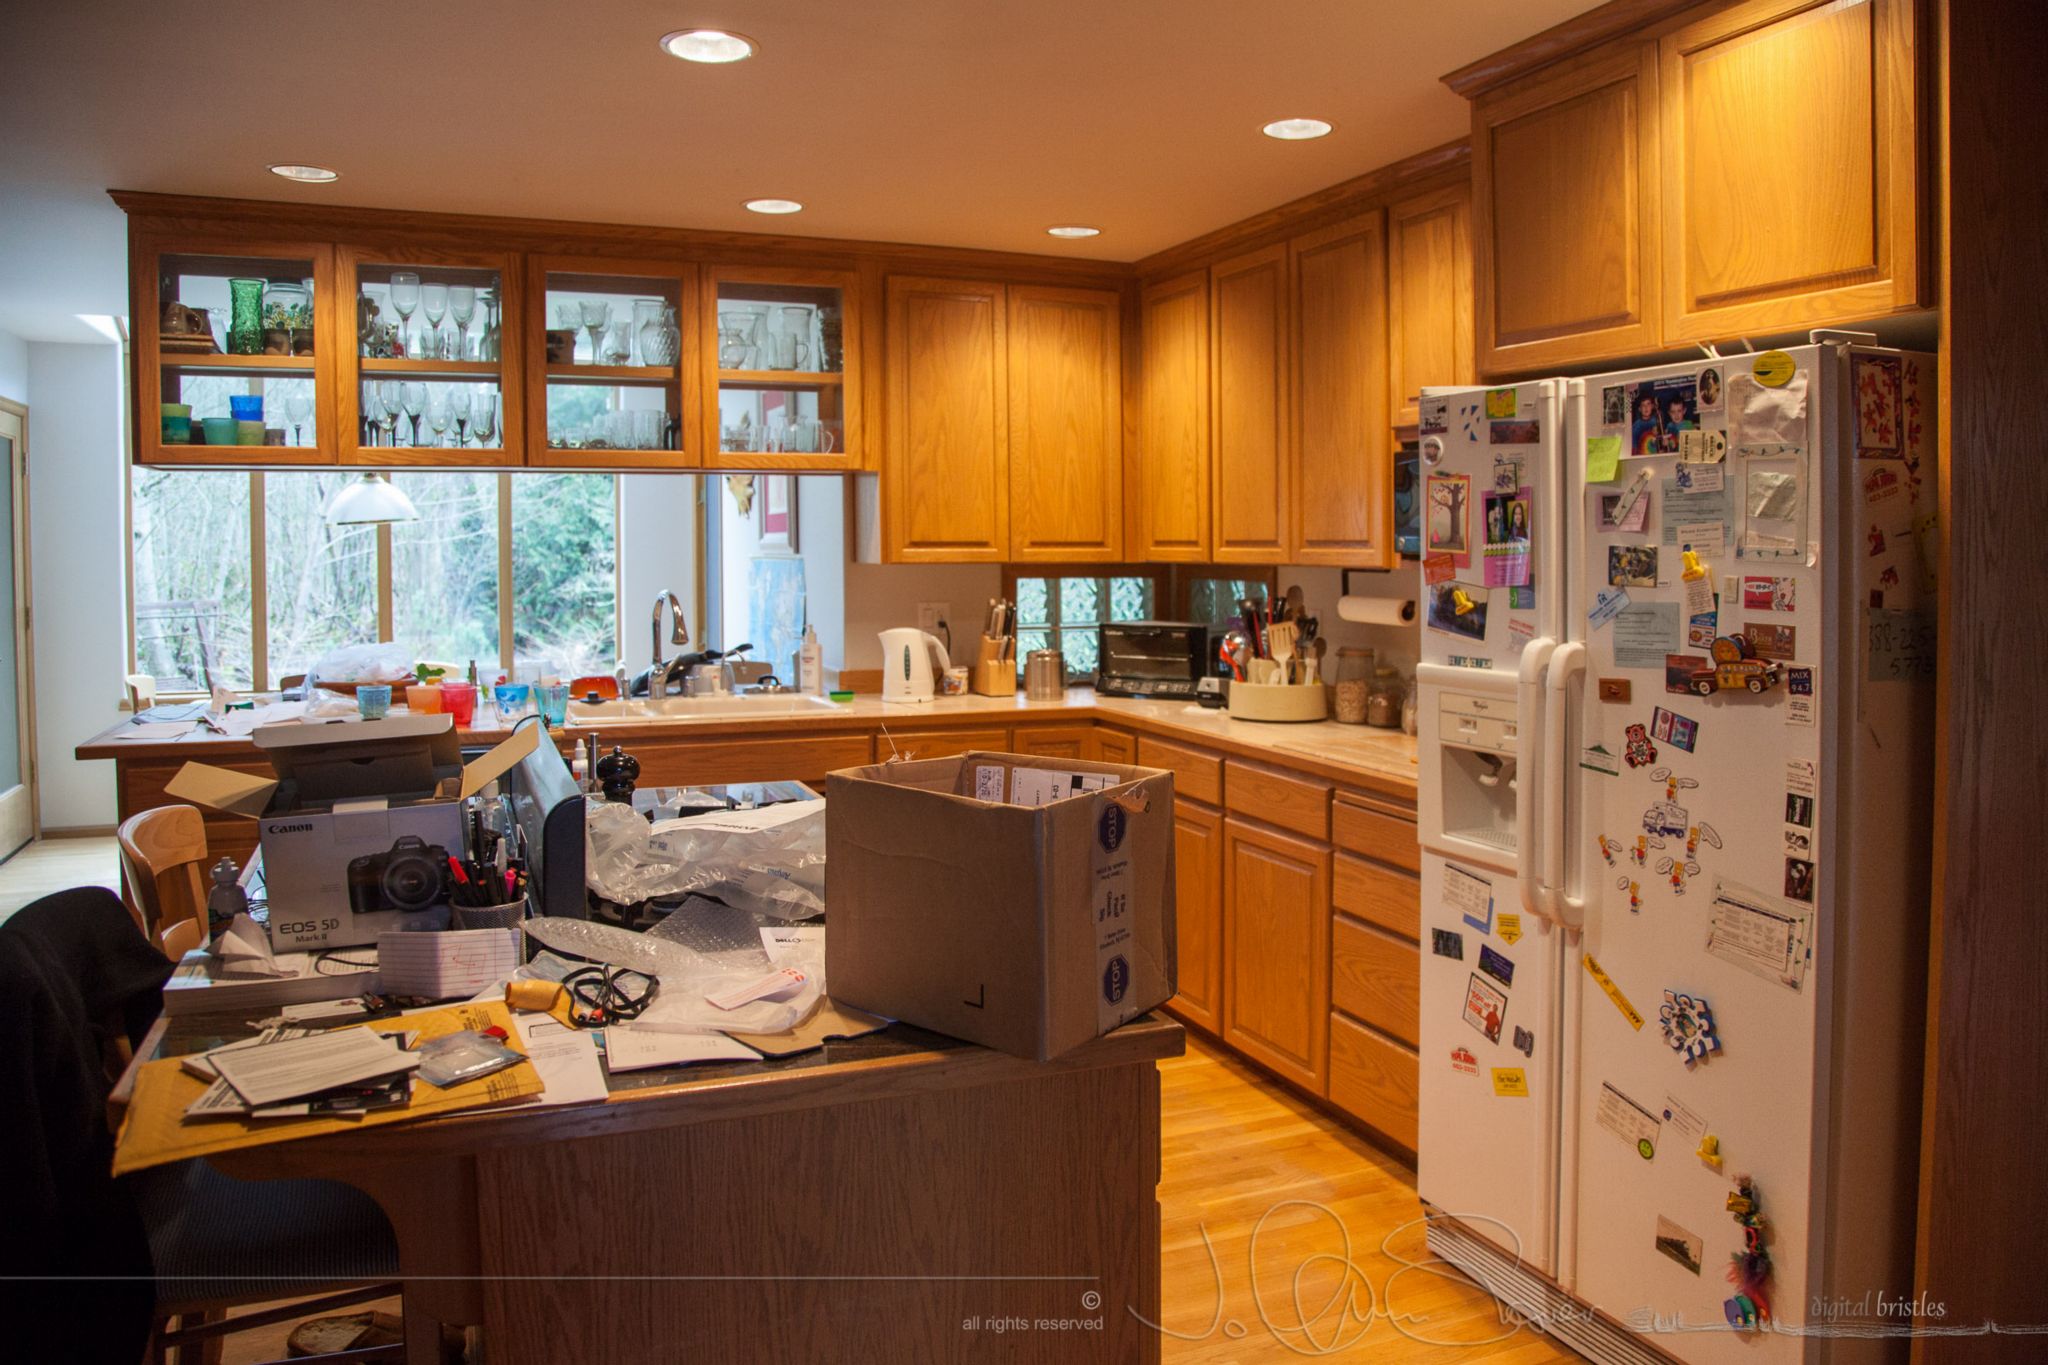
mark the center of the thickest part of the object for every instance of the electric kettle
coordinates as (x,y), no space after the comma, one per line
(912,662)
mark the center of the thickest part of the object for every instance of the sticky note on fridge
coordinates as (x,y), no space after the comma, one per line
(1510,1082)
(1603,458)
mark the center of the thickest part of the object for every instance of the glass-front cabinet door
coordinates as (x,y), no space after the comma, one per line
(429,349)
(233,342)
(781,376)
(608,348)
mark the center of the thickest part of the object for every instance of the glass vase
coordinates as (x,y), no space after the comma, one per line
(660,339)
(245,317)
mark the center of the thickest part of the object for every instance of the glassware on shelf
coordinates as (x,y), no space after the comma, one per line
(618,344)
(493,345)
(438,418)
(646,313)
(792,337)
(462,308)
(388,401)
(483,420)
(297,409)
(245,317)
(596,315)
(831,339)
(414,400)
(405,297)
(664,343)
(458,407)
(287,319)
(648,427)
(434,304)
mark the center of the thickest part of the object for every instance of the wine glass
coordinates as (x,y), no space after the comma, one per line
(458,404)
(405,296)
(386,415)
(434,303)
(297,409)
(438,418)
(415,400)
(597,315)
(462,307)
(484,420)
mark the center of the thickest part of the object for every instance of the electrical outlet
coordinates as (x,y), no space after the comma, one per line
(929,614)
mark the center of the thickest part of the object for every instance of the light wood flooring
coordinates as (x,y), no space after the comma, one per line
(1279,1190)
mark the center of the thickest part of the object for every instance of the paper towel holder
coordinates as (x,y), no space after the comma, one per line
(1380,611)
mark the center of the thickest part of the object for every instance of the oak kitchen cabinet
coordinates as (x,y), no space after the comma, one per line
(1003,423)
(1429,296)
(1248,388)
(1171,519)
(1198,912)
(1276,950)
(1343,450)
(1736,169)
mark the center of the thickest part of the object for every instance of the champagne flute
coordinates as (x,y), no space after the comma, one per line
(458,404)
(405,296)
(438,418)
(484,420)
(297,409)
(434,303)
(415,400)
(462,307)
(387,409)
(597,315)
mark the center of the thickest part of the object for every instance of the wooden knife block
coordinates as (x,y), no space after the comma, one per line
(993,675)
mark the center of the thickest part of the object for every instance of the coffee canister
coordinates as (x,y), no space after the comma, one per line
(1045,674)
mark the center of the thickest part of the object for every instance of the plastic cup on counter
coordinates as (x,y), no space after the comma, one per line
(511,697)
(458,699)
(373,700)
(424,699)
(554,702)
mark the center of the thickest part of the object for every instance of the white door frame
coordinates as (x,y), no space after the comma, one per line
(20,821)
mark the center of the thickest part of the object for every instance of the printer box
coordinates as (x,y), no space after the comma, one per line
(999,898)
(357,823)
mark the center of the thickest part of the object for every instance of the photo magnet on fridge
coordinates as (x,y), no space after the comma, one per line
(1799,810)
(1520,433)
(1679,670)
(1447,500)
(1433,415)
(1660,410)
(1485,1006)
(1447,943)
(1502,403)
(1875,380)
(1458,609)
(1768,641)
(1684,1247)
(1680,732)
(1799,880)
(1614,406)
(1708,389)
(1632,566)
(1769,594)
(1496,966)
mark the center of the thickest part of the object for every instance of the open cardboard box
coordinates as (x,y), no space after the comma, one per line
(1030,928)
(338,822)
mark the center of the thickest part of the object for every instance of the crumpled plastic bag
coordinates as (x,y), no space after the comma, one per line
(778,871)
(385,662)
(690,978)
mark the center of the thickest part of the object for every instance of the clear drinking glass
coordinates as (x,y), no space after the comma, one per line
(646,313)
(596,315)
(438,418)
(434,303)
(389,400)
(458,405)
(483,418)
(462,307)
(405,297)
(297,409)
(414,398)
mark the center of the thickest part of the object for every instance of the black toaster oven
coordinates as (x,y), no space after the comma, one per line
(1152,658)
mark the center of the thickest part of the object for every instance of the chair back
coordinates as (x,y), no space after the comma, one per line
(163,853)
(141,691)
(181,938)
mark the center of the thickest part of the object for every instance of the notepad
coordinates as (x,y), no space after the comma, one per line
(629,1049)
(437,965)
(285,1071)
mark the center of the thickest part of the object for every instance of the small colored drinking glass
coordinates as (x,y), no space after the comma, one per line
(424,699)
(245,317)
(373,700)
(510,697)
(458,699)
(554,702)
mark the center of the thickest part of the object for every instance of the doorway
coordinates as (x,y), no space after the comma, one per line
(17,744)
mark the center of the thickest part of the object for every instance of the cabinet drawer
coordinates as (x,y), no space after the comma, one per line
(1373,1078)
(1379,830)
(1377,977)
(1196,774)
(1115,746)
(691,763)
(1390,899)
(940,743)
(1298,803)
(1055,741)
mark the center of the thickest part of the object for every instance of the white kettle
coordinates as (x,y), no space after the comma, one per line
(909,657)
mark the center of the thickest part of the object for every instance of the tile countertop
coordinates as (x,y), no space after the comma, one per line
(1380,759)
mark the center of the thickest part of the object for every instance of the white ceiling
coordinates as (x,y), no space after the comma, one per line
(958,122)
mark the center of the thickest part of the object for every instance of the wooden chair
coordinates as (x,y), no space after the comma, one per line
(180,939)
(141,691)
(163,857)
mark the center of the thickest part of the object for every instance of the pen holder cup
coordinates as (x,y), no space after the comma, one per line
(994,675)
(507,916)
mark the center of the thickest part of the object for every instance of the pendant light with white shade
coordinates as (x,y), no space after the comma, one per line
(369,501)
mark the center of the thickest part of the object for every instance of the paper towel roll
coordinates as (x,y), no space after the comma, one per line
(1376,611)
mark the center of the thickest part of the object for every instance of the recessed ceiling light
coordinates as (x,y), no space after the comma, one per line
(1296,129)
(1074,230)
(774,206)
(311,175)
(712,46)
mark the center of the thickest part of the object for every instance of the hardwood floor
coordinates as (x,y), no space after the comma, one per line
(1244,1167)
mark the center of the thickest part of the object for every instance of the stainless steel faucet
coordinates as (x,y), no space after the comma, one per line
(679,634)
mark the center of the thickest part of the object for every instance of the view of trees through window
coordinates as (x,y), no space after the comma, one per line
(1070,610)
(197,591)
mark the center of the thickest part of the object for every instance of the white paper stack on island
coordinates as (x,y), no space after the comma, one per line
(293,1074)
(440,965)
(238,972)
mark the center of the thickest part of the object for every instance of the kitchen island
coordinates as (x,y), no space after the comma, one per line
(1298,899)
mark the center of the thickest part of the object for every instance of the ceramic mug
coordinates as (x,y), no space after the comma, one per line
(177,420)
(220,431)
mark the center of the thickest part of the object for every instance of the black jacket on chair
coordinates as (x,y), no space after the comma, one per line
(75,973)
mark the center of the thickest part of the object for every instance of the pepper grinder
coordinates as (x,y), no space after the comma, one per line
(617,772)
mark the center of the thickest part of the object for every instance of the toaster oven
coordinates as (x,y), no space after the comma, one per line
(1152,658)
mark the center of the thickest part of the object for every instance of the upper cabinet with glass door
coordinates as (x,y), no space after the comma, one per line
(429,351)
(607,358)
(781,382)
(233,342)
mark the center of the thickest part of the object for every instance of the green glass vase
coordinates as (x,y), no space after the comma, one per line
(245,317)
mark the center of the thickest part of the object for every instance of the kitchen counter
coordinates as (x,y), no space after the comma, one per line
(1380,760)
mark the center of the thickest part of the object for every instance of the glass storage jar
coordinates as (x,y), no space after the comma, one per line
(1383,706)
(1354,684)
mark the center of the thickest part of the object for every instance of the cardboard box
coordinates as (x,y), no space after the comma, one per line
(357,825)
(976,896)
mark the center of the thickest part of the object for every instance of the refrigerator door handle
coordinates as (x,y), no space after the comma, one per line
(1531,778)
(1567,663)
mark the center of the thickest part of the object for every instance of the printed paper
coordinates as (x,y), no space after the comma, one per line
(1760,934)
(1485,1006)
(1629,1121)
(1644,634)
(1470,896)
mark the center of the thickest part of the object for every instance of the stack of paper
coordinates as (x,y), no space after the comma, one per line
(243,953)
(293,1073)
(437,965)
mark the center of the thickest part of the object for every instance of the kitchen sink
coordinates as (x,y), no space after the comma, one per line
(736,706)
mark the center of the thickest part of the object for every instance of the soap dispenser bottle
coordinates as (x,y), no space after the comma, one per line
(810,671)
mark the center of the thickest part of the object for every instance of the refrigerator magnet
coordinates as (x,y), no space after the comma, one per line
(1632,566)
(1525,1041)
(1688,1025)
(1608,603)
(1502,403)
(1635,891)
(1464,1061)
(1629,1121)
(1509,1082)
(1606,983)
(1496,966)
(1485,1006)
(1638,750)
(1510,927)
(1799,880)
(1517,433)
(1677,871)
(1686,1248)
(1447,943)
(1614,406)
(1447,502)
(1470,896)
(1680,732)
(1614,689)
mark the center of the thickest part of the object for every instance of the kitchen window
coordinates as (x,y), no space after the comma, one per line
(1064,608)
(239,579)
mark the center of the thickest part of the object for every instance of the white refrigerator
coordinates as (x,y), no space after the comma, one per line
(1674,794)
